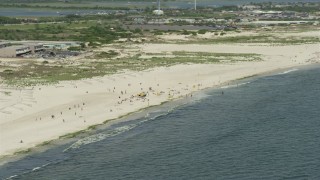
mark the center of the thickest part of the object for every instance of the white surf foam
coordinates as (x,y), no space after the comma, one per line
(26,172)
(100,137)
(235,85)
(288,71)
(119,130)
(11,177)
(36,168)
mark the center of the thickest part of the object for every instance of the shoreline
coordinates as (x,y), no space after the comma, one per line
(153,103)
(74,136)
(69,137)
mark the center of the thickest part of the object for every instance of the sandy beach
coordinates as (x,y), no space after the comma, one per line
(32,115)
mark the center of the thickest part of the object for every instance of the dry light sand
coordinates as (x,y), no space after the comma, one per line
(32,115)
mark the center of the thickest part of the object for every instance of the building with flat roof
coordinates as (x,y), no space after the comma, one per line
(14,51)
(36,48)
(9,50)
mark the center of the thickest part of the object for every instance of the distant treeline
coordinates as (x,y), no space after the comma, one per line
(54,32)
(68,18)
(62,7)
(76,4)
(8,20)
(293,6)
(306,9)
(74,1)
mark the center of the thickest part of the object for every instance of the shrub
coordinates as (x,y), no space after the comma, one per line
(202,31)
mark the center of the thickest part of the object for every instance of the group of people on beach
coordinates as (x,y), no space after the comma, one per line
(123,97)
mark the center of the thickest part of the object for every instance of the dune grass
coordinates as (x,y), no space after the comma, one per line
(32,73)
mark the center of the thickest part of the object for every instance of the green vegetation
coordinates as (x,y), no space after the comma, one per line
(45,143)
(202,31)
(181,57)
(95,31)
(109,54)
(313,7)
(7,20)
(30,73)
(256,39)
(72,135)
(61,6)
(75,49)
(23,151)
(84,31)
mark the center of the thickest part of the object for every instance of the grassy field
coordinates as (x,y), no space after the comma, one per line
(104,31)
(68,26)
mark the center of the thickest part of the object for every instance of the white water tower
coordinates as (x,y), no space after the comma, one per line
(158,11)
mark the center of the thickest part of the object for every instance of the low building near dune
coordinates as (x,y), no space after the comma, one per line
(9,50)
(14,51)
(36,48)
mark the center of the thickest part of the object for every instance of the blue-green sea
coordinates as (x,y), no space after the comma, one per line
(265,127)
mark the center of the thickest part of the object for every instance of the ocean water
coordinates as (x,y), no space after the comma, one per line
(265,127)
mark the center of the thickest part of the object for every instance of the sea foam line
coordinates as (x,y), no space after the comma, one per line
(26,172)
(288,71)
(234,85)
(101,136)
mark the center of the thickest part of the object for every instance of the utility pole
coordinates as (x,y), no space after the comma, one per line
(195,5)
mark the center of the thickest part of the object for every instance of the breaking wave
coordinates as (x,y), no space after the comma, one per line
(116,131)
(288,71)
(234,85)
